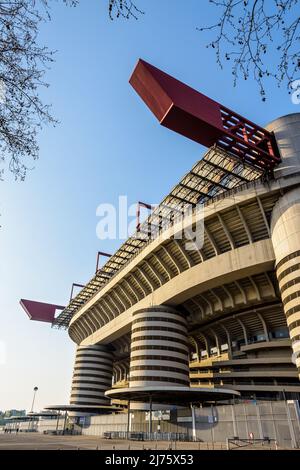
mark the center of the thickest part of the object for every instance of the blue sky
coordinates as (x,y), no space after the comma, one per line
(107,144)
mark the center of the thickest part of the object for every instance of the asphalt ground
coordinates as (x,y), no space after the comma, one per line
(37,441)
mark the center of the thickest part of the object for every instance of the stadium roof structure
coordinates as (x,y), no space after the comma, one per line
(216,173)
(99,409)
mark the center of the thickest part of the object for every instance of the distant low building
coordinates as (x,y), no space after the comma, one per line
(10,414)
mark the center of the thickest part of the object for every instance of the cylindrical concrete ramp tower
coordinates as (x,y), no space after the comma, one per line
(92,375)
(286,243)
(285,226)
(287,133)
(159,348)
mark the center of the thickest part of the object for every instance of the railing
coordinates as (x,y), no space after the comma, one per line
(207,361)
(237,443)
(147,436)
(121,384)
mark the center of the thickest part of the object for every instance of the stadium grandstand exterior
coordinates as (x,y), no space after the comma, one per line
(222,316)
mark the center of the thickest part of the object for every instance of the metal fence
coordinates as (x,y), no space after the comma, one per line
(147,436)
(266,443)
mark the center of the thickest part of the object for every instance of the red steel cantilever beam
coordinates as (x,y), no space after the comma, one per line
(192,114)
(40,311)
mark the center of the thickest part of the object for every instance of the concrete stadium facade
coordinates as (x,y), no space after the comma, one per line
(171,325)
(224,316)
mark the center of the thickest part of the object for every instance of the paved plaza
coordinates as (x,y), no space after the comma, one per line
(37,441)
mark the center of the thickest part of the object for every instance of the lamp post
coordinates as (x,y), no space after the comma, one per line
(34,394)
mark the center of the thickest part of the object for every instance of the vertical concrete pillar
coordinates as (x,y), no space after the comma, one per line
(233,421)
(92,375)
(291,427)
(259,425)
(287,133)
(286,242)
(128,419)
(285,226)
(194,436)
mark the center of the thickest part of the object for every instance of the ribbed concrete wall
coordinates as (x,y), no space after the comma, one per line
(92,376)
(286,242)
(286,225)
(287,133)
(159,348)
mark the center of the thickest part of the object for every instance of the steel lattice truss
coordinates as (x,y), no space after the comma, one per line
(216,173)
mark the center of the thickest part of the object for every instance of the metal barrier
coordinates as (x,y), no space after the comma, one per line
(146,436)
(237,443)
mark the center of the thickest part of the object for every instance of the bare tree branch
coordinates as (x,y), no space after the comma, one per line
(123,8)
(260,37)
(23,63)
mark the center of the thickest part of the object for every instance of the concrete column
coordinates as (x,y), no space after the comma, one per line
(287,133)
(159,353)
(233,421)
(92,375)
(260,430)
(128,419)
(286,242)
(285,226)
(291,427)
(193,423)
(150,414)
